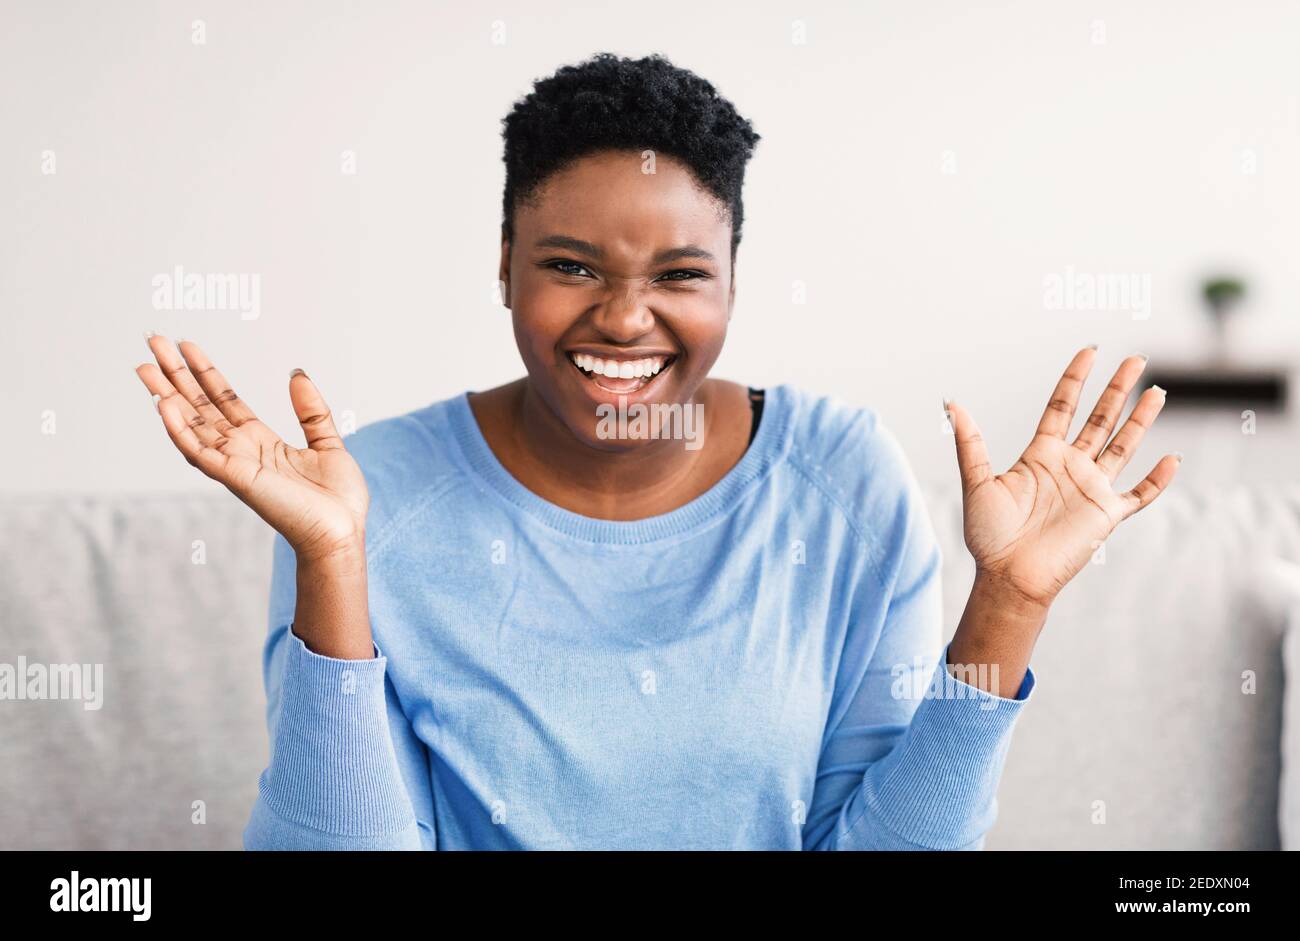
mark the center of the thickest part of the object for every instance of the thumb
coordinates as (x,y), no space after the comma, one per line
(972,455)
(313,414)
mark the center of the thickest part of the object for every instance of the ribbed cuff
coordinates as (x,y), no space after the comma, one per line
(332,766)
(938,788)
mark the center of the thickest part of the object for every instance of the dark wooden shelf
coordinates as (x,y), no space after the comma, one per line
(1213,386)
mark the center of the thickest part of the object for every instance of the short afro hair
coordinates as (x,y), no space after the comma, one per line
(610,102)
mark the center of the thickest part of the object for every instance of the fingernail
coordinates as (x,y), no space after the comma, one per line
(149,335)
(1144,356)
(1091,346)
(1160,390)
(1179,455)
(296,372)
(156,399)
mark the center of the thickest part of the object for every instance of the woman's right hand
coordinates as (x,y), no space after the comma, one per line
(315,497)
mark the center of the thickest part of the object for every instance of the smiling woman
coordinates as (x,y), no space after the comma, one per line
(616,303)
(494,624)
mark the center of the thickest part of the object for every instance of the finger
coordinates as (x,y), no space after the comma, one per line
(164,391)
(180,429)
(1097,429)
(1122,447)
(972,453)
(208,422)
(1065,397)
(313,414)
(215,386)
(1151,486)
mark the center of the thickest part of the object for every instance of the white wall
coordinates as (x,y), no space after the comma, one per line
(1126,156)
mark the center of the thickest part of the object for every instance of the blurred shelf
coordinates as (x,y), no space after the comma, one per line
(1210,386)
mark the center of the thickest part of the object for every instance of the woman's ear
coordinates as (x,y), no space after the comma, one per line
(503,274)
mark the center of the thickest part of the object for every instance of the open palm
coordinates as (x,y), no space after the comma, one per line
(1034,527)
(315,497)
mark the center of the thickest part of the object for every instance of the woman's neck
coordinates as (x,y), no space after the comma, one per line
(653,478)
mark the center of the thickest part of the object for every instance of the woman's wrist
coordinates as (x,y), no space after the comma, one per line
(996,635)
(332,616)
(342,559)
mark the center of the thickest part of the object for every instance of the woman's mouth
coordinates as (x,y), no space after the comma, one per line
(621,376)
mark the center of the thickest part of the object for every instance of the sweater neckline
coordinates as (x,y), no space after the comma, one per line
(764,452)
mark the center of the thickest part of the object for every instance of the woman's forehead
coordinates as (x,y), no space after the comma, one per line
(602,195)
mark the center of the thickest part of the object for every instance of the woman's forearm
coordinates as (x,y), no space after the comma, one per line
(332,614)
(335,781)
(995,638)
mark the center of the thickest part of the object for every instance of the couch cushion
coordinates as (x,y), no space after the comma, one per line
(1289,798)
(113,582)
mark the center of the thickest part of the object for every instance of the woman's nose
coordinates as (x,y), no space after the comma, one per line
(624,314)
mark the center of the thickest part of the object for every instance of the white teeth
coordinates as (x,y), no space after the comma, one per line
(620,369)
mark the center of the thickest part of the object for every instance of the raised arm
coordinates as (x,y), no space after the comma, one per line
(334,780)
(905,771)
(315,497)
(1033,528)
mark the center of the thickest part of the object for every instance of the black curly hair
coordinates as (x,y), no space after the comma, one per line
(610,102)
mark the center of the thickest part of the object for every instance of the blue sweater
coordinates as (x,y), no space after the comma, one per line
(760,668)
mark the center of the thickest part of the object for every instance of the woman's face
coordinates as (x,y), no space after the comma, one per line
(624,273)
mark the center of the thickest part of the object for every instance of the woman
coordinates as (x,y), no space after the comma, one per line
(528,618)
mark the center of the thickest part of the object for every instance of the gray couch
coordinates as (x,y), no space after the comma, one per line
(1139,735)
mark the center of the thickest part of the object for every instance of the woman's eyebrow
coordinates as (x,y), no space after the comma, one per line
(685,251)
(572,244)
(594,251)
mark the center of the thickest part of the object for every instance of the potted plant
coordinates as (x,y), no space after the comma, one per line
(1221,295)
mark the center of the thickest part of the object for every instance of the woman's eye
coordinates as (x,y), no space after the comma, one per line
(566,267)
(574,269)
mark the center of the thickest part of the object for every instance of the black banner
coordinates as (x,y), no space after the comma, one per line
(970,890)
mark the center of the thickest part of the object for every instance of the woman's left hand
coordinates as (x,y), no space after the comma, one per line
(1034,527)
